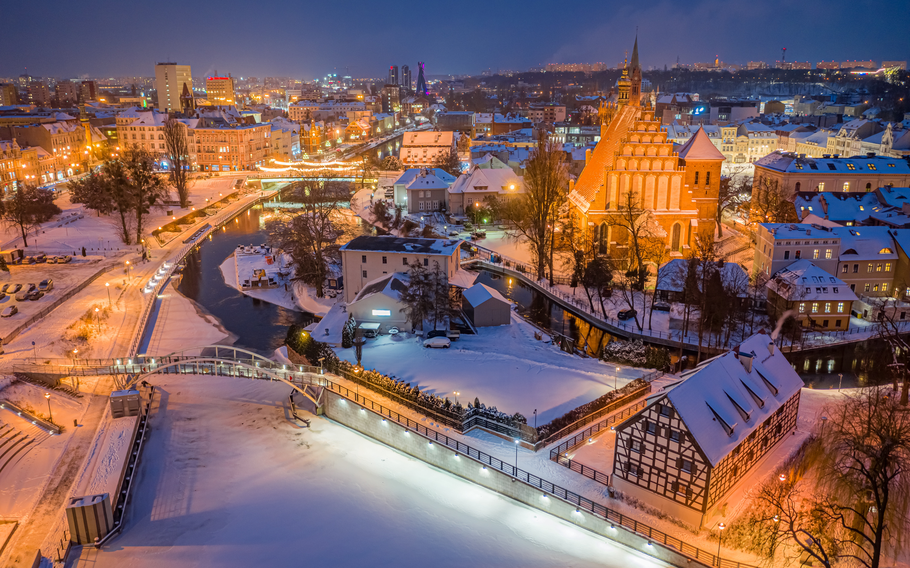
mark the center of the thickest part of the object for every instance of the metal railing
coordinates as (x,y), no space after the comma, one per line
(585,420)
(582,503)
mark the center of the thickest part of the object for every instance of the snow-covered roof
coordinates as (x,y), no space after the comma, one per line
(673,276)
(798,231)
(893,196)
(866,243)
(410,175)
(463,278)
(803,281)
(431,138)
(391,285)
(789,162)
(837,206)
(481,180)
(367,243)
(480,293)
(724,399)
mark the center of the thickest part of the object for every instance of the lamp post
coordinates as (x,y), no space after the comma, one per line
(535,419)
(516,458)
(616,379)
(47,395)
(98,319)
(108,286)
(127,269)
(720,536)
(75,354)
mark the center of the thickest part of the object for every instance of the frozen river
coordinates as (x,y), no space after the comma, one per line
(227,481)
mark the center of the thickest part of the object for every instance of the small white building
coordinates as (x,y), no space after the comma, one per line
(486,307)
(380,301)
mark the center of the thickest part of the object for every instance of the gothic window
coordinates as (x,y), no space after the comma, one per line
(696,178)
(602,238)
(674,237)
(707,178)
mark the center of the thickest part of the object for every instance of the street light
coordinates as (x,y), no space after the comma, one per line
(720,536)
(127,269)
(98,319)
(616,379)
(516,457)
(108,286)
(75,354)
(47,395)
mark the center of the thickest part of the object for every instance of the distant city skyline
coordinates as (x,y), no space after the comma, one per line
(130,39)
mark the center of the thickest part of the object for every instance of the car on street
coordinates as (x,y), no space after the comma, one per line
(626,314)
(661,307)
(436,333)
(35,295)
(9,311)
(46,285)
(437,343)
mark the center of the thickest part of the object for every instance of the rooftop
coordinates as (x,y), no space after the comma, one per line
(403,245)
(789,162)
(803,281)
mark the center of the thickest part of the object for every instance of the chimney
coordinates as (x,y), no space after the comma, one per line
(746,360)
(587,155)
(771,347)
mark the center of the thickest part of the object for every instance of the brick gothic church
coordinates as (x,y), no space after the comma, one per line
(678,188)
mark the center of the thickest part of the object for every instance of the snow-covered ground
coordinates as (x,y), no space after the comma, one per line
(179,323)
(226,480)
(502,366)
(293,295)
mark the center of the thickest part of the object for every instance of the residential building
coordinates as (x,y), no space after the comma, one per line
(849,138)
(414,105)
(472,188)
(752,141)
(407,194)
(303,111)
(494,124)
(379,301)
(171,81)
(87,91)
(224,146)
(815,299)
(460,121)
(18,165)
(425,148)
(38,93)
(549,113)
(391,98)
(671,282)
(681,108)
(845,209)
(9,94)
(365,258)
(778,245)
(145,129)
(285,144)
(868,260)
(730,111)
(795,173)
(696,441)
(827,65)
(896,143)
(67,93)
(220,90)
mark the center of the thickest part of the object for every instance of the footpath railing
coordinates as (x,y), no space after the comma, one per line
(52,306)
(45,424)
(558,454)
(580,502)
(585,420)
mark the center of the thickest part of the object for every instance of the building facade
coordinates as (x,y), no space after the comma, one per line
(171,80)
(694,443)
(220,90)
(814,298)
(795,173)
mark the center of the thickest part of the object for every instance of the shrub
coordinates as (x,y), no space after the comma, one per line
(580,412)
(347,333)
(636,353)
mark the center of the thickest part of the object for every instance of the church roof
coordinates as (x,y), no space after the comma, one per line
(700,147)
(635,54)
(592,177)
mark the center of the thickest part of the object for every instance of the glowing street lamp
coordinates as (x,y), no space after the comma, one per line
(108,286)
(720,536)
(47,395)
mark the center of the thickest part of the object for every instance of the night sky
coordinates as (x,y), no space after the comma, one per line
(362,38)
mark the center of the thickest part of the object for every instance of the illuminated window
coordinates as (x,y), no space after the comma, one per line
(828,254)
(878,267)
(815,254)
(802,307)
(382,313)
(846,186)
(884,286)
(850,167)
(887,267)
(840,307)
(875,287)
(827,307)
(821,186)
(814,307)
(866,287)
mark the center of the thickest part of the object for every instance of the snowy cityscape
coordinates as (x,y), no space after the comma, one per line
(619,298)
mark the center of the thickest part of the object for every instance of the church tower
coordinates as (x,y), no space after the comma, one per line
(635,77)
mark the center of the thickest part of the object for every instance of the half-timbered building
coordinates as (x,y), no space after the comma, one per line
(700,436)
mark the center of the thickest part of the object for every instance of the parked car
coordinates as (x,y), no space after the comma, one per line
(436,333)
(437,343)
(626,314)
(9,311)
(22,296)
(453,233)
(46,285)
(661,307)
(15,288)
(6,287)
(41,258)
(453,334)
(35,295)
(30,287)
(64,259)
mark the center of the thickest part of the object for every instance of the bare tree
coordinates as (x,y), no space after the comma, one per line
(449,162)
(640,235)
(27,208)
(417,299)
(533,216)
(729,195)
(889,331)
(311,237)
(770,203)
(178,155)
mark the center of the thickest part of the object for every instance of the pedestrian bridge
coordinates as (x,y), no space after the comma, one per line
(219,360)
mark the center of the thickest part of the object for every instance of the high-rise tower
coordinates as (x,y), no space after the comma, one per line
(393,75)
(421,80)
(170,80)
(406,77)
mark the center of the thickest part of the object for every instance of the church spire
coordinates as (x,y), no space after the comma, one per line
(635,52)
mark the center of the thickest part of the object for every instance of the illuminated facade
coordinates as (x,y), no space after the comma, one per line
(170,79)
(634,164)
(220,90)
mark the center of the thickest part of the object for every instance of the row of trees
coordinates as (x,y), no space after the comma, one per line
(26,208)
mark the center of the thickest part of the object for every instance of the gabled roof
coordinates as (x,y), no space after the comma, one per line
(591,179)
(367,243)
(866,243)
(391,285)
(500,180)
(410,175)
(789,162)
(431,138)
(802,281)
(837,206)
(700,147)
(480,293)
(721,401)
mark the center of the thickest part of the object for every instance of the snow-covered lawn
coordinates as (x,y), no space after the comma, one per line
(502,366)
(226,480)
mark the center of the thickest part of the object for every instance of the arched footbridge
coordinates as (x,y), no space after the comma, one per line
(219,360)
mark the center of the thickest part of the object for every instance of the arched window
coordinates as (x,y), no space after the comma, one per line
(797,186)
(868,187)
(674,237)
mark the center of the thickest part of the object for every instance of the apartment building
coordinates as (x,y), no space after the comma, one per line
(815,298)
(170,80)
(423,149)
(796,173)
(220,90)
(779,245)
